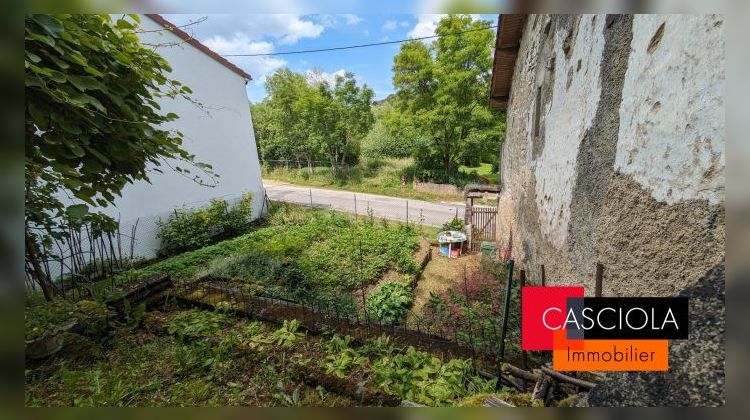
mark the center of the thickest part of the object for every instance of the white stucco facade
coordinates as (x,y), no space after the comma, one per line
(567,116)
(672,112)
(219,132)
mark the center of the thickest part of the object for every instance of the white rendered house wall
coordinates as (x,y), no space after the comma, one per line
(219,132)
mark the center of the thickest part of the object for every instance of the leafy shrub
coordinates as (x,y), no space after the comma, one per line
(341,358)
(380,347)
(186,229)
(476,305)
(453,224)
(390,302)
(418,376)
(195,323)
(287,335)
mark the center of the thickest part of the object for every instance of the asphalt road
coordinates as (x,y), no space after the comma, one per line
(393,208)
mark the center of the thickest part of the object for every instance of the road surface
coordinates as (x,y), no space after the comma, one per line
(393,208)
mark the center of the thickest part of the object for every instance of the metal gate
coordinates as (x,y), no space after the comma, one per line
(483,226)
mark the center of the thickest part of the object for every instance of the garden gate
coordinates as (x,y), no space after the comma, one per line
(482,218)
(483,226)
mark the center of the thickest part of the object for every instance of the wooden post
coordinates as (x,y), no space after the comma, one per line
(311,200)
(544,277)
(598,278)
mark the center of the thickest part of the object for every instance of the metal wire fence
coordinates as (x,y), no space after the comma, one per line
(371,206)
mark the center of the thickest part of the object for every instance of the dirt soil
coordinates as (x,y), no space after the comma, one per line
(439,275)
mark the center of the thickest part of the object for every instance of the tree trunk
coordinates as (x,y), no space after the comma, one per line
(37,273)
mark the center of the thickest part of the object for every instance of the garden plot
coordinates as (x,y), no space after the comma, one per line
(210,358)
(303,255)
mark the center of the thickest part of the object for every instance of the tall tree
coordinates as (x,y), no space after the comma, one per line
(305,118)
(444,86)
(93,123)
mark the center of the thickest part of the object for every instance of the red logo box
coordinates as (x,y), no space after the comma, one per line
(540,306)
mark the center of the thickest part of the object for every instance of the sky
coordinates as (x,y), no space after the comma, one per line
(266,33)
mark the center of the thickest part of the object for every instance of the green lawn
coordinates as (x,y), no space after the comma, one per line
(484,169)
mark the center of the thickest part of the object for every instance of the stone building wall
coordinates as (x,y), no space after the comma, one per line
(614,151)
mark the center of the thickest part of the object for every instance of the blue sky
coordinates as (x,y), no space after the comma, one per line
(259,33)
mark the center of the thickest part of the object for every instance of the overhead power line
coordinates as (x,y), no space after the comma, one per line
(348,47)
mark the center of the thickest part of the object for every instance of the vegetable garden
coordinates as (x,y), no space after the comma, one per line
(309,308)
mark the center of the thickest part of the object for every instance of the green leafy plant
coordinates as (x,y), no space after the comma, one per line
(420,377)
(93,123)
(380,347)
(390,302)
(453,224)
(342,363)
(191,229)
(289,400)
(287,336)
(196,323)
(341,358)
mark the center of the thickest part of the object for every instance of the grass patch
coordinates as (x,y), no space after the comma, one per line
(484,170)
(372,176)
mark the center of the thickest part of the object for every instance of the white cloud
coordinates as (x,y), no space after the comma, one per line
(287,29)
(330,21)
(317,75)
(352,19)
(404,24)
(258,67)
(390,25)
(427,23)
(384,39)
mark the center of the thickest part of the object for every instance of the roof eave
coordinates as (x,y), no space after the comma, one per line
(198,45)
(507,43)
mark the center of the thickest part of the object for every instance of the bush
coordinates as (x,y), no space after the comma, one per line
(453,224)
(420,377)
(192,229)
(391,302)
(195,323)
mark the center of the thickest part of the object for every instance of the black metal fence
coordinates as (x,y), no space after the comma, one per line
(487,337)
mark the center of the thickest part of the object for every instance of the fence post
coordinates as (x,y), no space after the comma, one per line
(506,309)
(521,284)
(362,284)
(355,207)
(407,212)
(544,277)
(468,318)
(311,200)
(598,278)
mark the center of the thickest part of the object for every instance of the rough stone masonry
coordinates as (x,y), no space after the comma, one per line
(614,153)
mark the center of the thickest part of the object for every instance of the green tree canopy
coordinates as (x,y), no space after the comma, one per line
(93,123)
(307,119)
(392,134)
(444,87)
